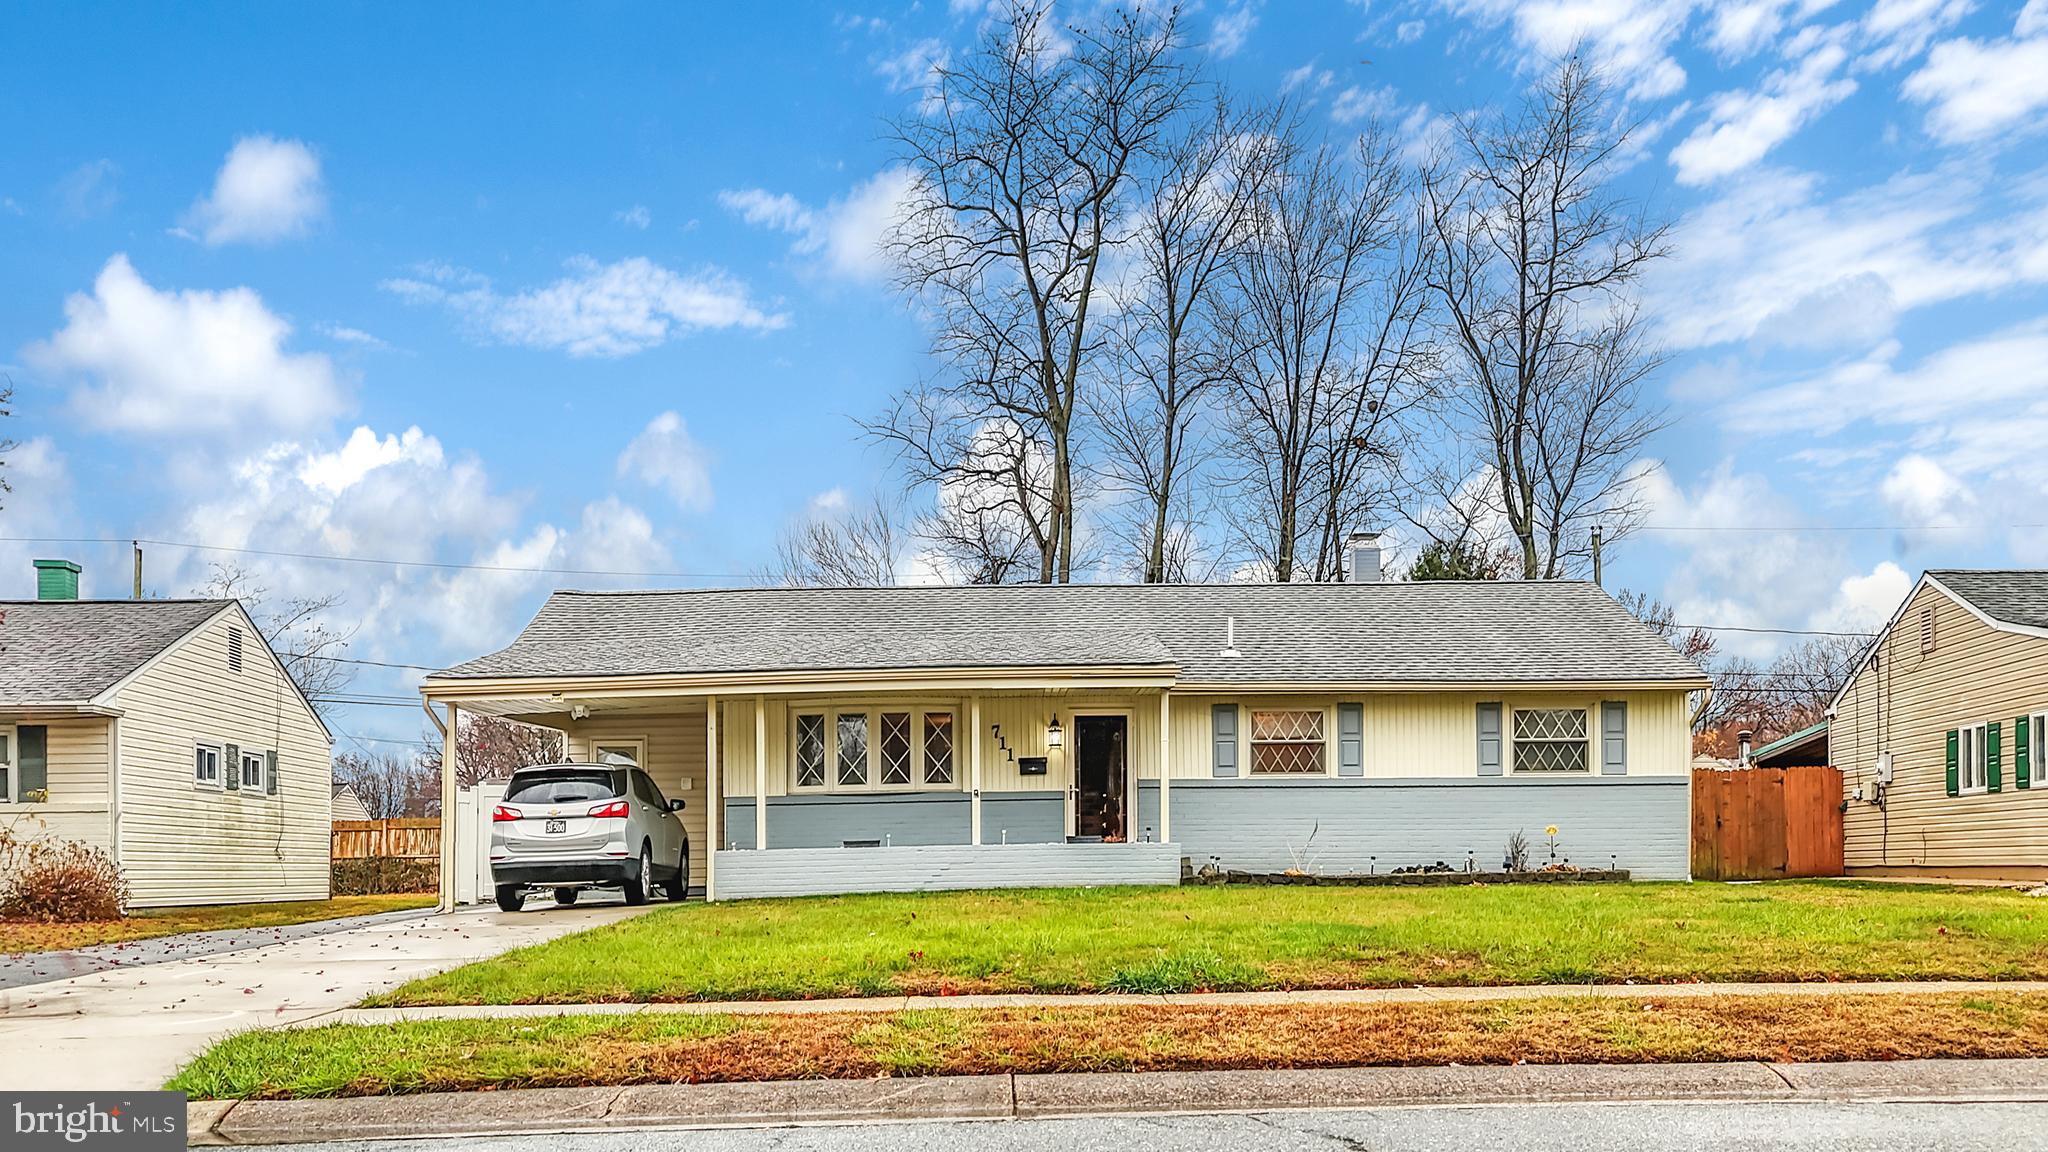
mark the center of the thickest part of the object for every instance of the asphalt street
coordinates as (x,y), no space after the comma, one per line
(1694,1127)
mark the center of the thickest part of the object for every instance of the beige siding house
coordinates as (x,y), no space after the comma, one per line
(833,740)
(167,733)
(1951,702)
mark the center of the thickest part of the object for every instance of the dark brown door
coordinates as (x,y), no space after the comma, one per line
(1099,776)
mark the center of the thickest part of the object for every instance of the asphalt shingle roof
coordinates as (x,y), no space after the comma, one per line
(2014,595)
(1297,633)
(60,651)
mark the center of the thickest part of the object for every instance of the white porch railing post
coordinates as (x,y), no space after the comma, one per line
(714,784)
(974,770)
(760,772)
(448,825)
(1165,767)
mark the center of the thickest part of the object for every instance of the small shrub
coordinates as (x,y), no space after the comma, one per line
(61,882)
(384,875)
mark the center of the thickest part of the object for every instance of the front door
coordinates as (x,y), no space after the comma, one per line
(1099,750)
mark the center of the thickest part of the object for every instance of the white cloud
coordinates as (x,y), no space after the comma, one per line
(915,68)
(39,505)
(830,500)
(1924,493)
(1629,39)
(597,310)
(664,456)
(1231,29)
(151,361)
(1742,126)
(846,237)
(1355,103)
(1958,380)
(635,217)
(1899,30)
(1978,89)
(1307,79)
(1409,31)
(1737,29)
(347,335)
(1853,312)
(268,190)
(89,190)
(1864,602)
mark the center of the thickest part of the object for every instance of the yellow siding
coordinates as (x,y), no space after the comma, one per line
(674,758)
(184,844)
(77,808)
(1975,674)
(1406,734)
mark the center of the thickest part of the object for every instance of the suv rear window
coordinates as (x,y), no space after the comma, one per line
(563,786)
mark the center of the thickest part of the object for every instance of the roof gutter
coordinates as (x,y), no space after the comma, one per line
(833,680)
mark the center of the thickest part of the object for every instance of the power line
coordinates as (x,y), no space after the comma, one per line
(1774,631)
(1808,529)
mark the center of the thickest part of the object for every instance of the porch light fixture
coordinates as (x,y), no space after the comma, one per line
(1054,738)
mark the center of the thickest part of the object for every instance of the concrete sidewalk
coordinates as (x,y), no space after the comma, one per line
(134,1027)
(24,968)
(783,1103)
(1188,999)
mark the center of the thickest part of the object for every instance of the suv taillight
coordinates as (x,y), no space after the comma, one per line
(500,814)
(616,810)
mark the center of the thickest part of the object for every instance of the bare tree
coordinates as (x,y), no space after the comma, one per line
(1322,321)
(973,542)
(1695,644)
(6,443)
(492,748)
(1023,161)
(1792,692)
(1191,223)
(299,630)
(1536,280)
(847,548)
(390,786)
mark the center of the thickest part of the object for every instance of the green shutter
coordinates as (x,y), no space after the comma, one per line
(2022,755)
(32,762)
(1991,742)
(1952,788)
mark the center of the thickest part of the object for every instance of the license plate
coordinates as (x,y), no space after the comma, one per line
(556,827)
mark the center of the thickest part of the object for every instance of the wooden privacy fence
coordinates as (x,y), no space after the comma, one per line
(1766,823)
(405,838)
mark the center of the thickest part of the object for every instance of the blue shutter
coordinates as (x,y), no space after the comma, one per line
(1350,739)
(1223,723)
(1489,739)
(1614,738)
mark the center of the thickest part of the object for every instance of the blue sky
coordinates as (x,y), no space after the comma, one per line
(594,287)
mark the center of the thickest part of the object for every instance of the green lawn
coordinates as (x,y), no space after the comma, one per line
(467,1055)
(1231,938)
(18,936)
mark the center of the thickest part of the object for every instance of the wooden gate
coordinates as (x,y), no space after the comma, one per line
(1766,823)
(406,838)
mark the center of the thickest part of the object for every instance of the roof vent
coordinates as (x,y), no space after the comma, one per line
(1362,557)
(1230,638)
(56,580)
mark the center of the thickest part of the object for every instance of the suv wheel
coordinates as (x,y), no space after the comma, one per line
(511,897)
(643,881)
(681,887)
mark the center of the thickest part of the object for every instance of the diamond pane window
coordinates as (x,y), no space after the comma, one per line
(895,748)
(1287,742)
(853,749)
(1551,740)
(810,751)
(938,747)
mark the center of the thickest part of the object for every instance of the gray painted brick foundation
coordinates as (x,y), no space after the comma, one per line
(897,818)
(933,868)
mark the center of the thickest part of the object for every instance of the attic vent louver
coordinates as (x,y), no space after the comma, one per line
(235,649)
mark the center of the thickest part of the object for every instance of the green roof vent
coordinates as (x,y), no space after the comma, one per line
(57,580)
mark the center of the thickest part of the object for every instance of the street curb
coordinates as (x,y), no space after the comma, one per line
(1035,1096)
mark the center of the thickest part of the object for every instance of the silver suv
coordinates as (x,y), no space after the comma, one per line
(576,826)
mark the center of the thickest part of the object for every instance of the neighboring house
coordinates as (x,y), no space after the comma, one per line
(346,804)
(1954,696)
(931,737)
(167,733)
(1805,748)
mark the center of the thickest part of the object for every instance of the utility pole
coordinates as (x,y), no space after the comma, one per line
(1596,554)
(138,569)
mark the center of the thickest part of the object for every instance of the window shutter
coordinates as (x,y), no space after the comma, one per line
(1991,741)
(270,773)
(2022,754)
(1350,739)
(1489,739)
(1614,738)
(231,766)
(1223,725)
(1953,789)
(32,760)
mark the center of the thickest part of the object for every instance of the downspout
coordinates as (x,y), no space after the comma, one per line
(114,789)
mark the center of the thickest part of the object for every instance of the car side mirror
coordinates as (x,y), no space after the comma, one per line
(675,805)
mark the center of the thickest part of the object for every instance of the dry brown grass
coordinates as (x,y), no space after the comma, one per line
(18,936)
(473,1054)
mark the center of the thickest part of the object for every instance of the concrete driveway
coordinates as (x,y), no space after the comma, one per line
(134,1027)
